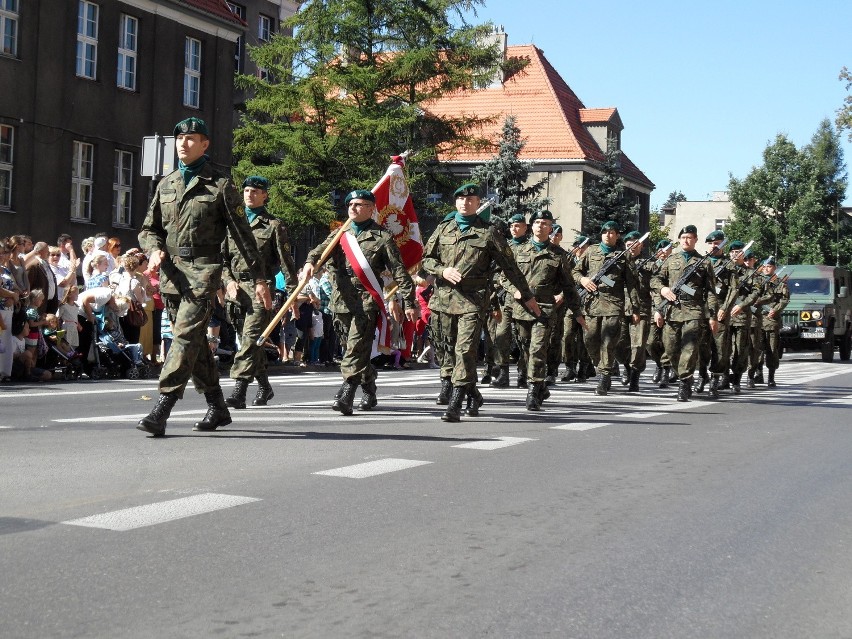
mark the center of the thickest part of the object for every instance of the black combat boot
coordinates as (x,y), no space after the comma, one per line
(725,383)
(582,373)
(689,387)
(625,376)
(474,401)
(155,422)
(543,392)
(454,408)
(664,378)
(658,375)
(238,395)
(368,396)
(714,387)
(533,397)
(550,379)
(758,375)
(771,383)
(522,380)
(486,379)
(345,398)
(703,378)
(683,390)
(604,384)
(444,394)
(673,378)
(634,381)
(501,380)
(735,383)
(264,391)
(570,372)
(217,412)
(750,378)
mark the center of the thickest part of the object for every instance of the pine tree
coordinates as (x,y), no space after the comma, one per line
(347,92)
(603,197)
(507,174)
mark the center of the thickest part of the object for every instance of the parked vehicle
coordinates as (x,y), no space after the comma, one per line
(819,315)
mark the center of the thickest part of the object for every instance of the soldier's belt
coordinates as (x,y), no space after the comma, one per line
(194,252)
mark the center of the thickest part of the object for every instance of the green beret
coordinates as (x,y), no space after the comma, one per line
(663,244)
(467,189)
(556,229)
(611,225)
(518,217)
(736,245)
(689,228)
(541,215)
(770,261)
(714,236)
(633,235)
(191,125)
(256,182)
(579,240)
(749,254)
(361,194)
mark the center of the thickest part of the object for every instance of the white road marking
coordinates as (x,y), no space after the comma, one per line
(840,400)
(581,426)
(641,415)
(152,514)
(373,468)
(494,444)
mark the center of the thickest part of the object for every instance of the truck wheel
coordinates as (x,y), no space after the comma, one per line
(828,350)
(846,345)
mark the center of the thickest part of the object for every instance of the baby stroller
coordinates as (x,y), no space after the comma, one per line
(62,366)
(111,359)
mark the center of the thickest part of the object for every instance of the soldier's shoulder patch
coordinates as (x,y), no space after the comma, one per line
(240,210)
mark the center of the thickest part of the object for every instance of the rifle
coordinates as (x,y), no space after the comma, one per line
(682,286)
(645,260)
(601,276)
(717,270)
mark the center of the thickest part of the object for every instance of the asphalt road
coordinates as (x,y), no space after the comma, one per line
(624,516)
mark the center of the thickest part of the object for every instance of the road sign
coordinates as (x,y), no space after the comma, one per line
(158,155)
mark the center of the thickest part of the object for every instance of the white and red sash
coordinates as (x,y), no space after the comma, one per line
(371,282)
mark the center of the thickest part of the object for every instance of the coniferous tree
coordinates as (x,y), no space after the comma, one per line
(347,91)
(603,197)
(507,174)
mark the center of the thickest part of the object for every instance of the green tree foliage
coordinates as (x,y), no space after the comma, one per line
(658,231)
(844,113)
(346,92)
(603,197)
(673,199)
(507,174)
(790,205)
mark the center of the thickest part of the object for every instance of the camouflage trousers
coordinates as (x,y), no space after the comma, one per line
(360,333)
(740,345)
(721,348)
(534,341)
(250,360)
(489,325)
(756,347)
(459,335)
(189,355)
(573,344)
(680,339)
(638,334)
(655,348)
(772,348)
(556,349)
(601,339)
(503,337)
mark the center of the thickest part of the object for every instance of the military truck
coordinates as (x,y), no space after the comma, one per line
(819,315)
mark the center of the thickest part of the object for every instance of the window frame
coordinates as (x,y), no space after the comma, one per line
(127,53)
(192,74)
(9,17)
(84,40)
(121,191)
(239,51)
(7,166)
(82,181)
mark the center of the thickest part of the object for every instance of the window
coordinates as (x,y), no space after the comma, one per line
(192,73)
(122,188)
(264,28)
(9,27)
(7,145)
(240,12)
(128,31)
(81,181)
(87,39)
(721,223)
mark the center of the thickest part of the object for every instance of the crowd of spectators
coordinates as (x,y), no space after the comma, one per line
(62,311)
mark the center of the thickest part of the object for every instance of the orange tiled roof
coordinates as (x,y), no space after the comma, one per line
(217,8)
(549,114)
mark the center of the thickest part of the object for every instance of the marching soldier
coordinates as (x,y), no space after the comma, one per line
(248,315)
(655,336)
(503,337)
(717,357)
(606,302)
(776,296)
(577,363)
(684,311)
(754,366)
(637,333)
(738,304)
(459,254)
(355,266)
(548,273)
(192,210)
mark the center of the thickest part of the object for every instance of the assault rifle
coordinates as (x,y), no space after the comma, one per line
(645,260)
(601,276)
(717,270)
(682,284)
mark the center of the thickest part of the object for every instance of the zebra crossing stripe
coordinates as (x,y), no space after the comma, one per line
(373,468)
(494,444)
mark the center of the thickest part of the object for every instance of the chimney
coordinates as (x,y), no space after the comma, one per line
(500,40)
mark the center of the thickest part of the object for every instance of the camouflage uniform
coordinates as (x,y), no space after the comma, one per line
(247,314)
(776,296)
(742,294)
(504,336)
(190,224)
(353,306)
(606,308)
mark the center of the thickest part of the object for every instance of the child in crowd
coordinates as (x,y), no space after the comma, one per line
(112,335)
(68,315)
(56,336)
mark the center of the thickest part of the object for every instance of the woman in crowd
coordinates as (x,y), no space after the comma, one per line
(97,276)
(8,299)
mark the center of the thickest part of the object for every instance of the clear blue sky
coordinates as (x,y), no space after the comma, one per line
(701,87)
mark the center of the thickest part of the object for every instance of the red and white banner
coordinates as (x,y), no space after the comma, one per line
(395,212)
(361,267)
